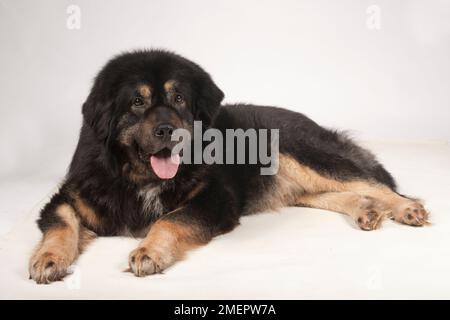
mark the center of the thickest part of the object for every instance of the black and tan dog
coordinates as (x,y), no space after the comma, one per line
(122,180)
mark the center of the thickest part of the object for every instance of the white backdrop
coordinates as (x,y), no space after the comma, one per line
(317,57)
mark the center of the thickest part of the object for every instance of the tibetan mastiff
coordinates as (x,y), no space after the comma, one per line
(125,179)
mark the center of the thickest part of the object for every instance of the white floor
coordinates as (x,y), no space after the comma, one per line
(297,253)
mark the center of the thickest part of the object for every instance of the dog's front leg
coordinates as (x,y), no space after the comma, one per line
(174,234)
(60,245)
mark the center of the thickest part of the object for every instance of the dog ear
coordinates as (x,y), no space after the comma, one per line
(208,101)
(98,115)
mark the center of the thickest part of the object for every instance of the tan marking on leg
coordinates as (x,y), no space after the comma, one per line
(85,238)
(166,243)
(295,180)
(367,212)
(402,209)
(293,175)
(58,248)
(86,213)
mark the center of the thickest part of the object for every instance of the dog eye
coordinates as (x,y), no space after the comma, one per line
(179,98)
(138,101)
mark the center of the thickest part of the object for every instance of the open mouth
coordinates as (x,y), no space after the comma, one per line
(163,163)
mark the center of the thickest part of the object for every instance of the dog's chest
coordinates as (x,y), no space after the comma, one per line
(151,201)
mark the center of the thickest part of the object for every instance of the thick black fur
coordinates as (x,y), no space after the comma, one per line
(98,172)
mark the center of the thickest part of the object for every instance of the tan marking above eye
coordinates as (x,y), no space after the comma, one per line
(145,91)
(169,85)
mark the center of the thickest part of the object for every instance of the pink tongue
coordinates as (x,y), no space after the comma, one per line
(165,168)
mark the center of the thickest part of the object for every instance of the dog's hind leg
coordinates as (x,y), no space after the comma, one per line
(367,212)
(402,209)
(368,204)
(297,184)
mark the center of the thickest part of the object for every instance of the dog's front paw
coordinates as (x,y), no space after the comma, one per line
(144,262)
(46,267)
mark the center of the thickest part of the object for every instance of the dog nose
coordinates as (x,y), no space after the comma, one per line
(164,131)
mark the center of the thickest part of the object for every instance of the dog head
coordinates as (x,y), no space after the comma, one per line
(138,100)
